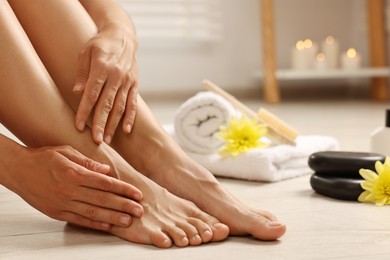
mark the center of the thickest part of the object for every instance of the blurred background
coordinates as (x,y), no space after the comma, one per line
(184,41)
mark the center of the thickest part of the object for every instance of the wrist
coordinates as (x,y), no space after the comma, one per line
(123,28)
(12,155)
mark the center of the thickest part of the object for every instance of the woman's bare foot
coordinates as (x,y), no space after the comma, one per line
(163,161)
(167,219)
(188,180)
(171,220)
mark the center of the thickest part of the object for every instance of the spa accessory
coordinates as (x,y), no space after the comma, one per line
(380,138)
(198,119)
(337,172)
(336,187)
(279,132)
(343,164)
(271,164)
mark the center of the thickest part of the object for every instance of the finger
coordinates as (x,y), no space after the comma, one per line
(105,103)
(82,221)
(83,70)
(96,80)
(110,201)
(106,183)
(77,157)
(131,107)
(117,112)
(99,214)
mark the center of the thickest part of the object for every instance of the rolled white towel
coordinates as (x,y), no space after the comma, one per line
(198,119)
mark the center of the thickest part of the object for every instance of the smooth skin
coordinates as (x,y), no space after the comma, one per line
(147,148)
(71,186)
(166,219)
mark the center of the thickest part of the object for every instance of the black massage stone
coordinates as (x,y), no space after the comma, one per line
(343,188)
(343,164)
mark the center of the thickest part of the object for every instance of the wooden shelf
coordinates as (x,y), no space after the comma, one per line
(290,74)
(332,74)
(378,72)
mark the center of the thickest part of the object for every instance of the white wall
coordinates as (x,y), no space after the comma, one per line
(232,61)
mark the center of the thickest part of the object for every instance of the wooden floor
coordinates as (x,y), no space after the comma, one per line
(318,227)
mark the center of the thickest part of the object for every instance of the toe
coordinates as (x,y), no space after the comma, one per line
(159,239)
(200,232)
(178,235)
(218,230)
(266,227)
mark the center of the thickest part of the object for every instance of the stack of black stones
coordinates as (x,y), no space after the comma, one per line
(336,173)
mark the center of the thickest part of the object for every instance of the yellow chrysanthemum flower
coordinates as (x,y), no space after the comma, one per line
(376,184)
(240,135)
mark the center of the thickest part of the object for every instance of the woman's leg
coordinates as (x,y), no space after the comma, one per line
(34,110)
(148,148)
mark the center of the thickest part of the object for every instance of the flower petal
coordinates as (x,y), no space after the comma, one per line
(367,185)
(368,174)
(381,202)
(378,167)
(365,196)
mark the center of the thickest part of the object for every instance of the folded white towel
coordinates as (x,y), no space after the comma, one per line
(198,119)
(271,164)
(268,164)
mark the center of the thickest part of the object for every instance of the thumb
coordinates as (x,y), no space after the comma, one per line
(84,64)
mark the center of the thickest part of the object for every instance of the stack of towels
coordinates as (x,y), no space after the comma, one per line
(199,118)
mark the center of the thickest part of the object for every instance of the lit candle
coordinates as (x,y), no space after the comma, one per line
(299,60)
(311,52)
(303,55)
(351,59)
(321,61)
(330,48)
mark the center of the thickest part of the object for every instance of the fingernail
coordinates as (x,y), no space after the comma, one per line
(103,167)
(105,226)
(78,87)
(124,220)
(137,196)
(108,139)
(128,128)
(99,138)
(137,212)
(81,126)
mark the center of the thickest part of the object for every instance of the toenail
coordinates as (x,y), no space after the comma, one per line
(197,237)
(274,224)
(166,242)
(185,240)
(218,225)
(207,233)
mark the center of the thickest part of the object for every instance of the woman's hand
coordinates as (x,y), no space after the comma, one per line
(108,79)
(65,185)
